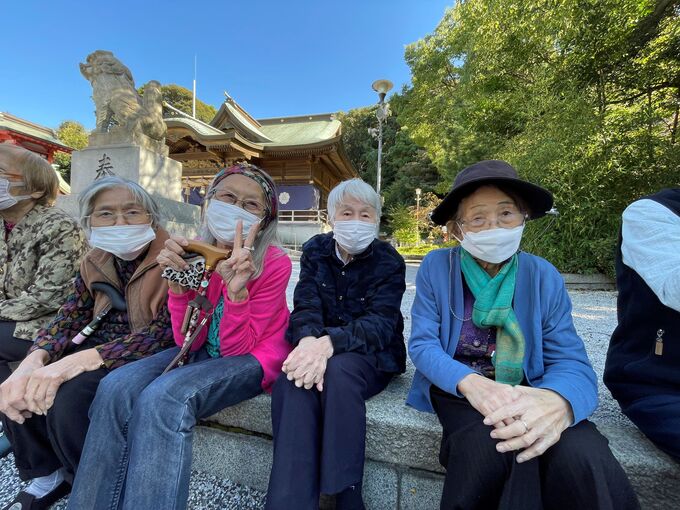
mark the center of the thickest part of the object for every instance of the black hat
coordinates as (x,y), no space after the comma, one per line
(497,172)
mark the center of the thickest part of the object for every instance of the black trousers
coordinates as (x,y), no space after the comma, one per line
(320,437)
(43,444)
(11,348)
(657,415)
(578,472)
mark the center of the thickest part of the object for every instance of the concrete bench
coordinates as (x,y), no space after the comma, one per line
(402,470)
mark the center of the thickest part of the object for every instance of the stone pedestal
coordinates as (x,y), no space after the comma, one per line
(158,174)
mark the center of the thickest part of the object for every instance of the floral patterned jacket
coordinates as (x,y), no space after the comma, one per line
(38,262)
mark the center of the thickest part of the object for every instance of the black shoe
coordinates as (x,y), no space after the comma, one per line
(26,501)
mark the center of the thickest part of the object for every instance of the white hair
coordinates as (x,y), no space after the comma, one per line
(88,197)
(355,188)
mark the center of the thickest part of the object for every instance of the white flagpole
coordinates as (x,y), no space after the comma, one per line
(193,104)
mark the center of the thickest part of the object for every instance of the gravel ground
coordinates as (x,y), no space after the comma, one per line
(595,319)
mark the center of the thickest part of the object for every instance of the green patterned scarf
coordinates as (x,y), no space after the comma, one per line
(212,344)
(493,307)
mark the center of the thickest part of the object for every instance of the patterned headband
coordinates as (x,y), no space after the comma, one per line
(260,177)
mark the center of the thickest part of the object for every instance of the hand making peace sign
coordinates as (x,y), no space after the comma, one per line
(237,270)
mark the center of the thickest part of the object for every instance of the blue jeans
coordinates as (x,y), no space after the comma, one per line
(138,448)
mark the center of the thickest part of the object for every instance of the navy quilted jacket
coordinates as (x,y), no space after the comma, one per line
(358,305)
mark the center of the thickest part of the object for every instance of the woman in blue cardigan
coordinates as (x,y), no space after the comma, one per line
(500,363)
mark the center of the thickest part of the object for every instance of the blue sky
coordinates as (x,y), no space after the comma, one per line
(276,58)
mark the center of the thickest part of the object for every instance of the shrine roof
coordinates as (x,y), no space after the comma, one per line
(173,115)
(301,130)
(297,131)
(30,129)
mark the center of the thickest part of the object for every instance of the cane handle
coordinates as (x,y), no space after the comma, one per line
(212,254)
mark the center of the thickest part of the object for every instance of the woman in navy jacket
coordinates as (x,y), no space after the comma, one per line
(347,330)
(499,361)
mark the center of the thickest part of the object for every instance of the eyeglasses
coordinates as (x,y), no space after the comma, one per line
(109,218)
(503,219)
(252,206)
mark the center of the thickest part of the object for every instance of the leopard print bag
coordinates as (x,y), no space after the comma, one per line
(191,278)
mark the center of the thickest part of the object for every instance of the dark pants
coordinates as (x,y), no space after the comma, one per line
(577,472)
(11,348)
(320,437)
(657,415)
(43,444)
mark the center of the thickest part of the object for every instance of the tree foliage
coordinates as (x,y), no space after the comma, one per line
(182,98)
(582,96)
(404,224)
(409,223)
(74,135)
(405,165)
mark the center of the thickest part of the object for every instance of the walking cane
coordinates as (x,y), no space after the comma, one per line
(191,325)
(116,302)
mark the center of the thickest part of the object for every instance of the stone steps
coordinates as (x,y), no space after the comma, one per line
(402,447)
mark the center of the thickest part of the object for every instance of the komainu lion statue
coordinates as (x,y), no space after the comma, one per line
(118,105)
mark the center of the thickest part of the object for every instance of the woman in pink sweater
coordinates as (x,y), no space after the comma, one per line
(142,420)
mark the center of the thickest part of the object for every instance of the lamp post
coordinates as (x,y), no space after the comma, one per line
(418,191)
(382,87)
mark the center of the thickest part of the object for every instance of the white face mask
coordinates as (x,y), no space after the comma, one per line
(126,242)
(354,236)
(6,199)
(494,245)
(222,219)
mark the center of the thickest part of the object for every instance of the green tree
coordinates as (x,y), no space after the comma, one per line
(582,96)
(182,98)
(405,165)
(404,224)
(74,135)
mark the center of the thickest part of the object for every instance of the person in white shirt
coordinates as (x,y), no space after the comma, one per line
(643,362)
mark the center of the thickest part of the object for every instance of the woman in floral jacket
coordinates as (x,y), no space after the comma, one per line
(40,248)
(45,401)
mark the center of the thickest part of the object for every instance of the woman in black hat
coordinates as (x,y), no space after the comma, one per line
(499,361)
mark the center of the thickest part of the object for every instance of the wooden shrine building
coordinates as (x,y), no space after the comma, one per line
(34,137)
(39,139)
(303,154)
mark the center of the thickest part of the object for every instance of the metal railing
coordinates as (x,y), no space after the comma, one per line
(310,215)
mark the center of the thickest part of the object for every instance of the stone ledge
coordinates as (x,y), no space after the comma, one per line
(588,282)
(246,459)
(402,447)
(396,434)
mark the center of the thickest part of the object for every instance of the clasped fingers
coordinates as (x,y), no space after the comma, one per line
(14,414)
(507,411)
(42,390)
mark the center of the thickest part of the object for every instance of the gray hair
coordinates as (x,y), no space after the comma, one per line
(355,188)
(265,238)
(89,196)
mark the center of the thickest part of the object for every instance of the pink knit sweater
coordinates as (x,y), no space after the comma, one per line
(256,325)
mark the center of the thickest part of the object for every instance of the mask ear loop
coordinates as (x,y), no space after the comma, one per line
(460,227)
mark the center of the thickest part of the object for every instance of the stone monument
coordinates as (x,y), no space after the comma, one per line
(129,141)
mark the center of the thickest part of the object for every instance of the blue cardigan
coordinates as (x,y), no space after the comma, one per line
(555,357)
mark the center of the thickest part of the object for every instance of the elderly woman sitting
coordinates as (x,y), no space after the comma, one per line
(347,331)
(40,249)
(138,450)
(46,399)
(500,363)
